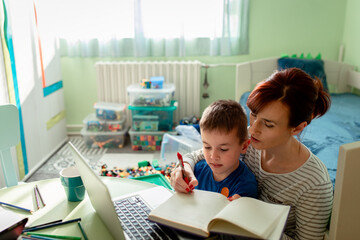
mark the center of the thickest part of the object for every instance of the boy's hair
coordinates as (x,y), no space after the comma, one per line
(225,115)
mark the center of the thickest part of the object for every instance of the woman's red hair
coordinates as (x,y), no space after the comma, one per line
(305,97)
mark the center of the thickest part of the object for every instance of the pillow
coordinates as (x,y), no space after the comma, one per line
(242,102)
(313,67)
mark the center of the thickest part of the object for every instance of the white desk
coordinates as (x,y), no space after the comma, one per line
(57,206)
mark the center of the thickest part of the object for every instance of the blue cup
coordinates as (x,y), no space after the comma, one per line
(71,180)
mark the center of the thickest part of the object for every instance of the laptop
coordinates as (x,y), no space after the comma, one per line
(115,213)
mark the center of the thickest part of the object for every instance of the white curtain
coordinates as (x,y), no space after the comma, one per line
(141,28)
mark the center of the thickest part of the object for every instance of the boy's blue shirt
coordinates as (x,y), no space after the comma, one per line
(241,181)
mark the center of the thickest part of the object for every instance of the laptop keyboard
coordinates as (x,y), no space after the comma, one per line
(133,214)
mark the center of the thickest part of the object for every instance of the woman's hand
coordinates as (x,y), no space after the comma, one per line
(178,183)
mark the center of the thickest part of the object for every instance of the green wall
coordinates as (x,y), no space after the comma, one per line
(351,37)
(276,27)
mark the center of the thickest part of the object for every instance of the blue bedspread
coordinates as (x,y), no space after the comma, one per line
(340,125)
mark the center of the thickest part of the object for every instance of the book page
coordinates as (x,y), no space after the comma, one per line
(276,234)
(190,211)
(257,217)
(226,227)
(8,218)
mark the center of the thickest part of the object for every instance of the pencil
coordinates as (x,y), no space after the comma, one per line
(41,199)
(82,231)
(17,207)
(36,199)
(51,225)
(28,237)
(37,237)
(33,234)
(40,225)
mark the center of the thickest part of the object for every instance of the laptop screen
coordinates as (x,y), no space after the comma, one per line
(98,193)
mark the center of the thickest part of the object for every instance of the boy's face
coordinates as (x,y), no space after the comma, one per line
(222,151)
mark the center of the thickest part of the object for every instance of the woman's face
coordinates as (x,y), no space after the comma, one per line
(269,127)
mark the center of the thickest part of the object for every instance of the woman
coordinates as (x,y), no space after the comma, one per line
(286,170)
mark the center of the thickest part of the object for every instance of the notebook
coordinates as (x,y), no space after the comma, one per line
(115,212)
(11,224)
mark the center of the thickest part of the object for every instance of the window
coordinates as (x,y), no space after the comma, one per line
(140,28)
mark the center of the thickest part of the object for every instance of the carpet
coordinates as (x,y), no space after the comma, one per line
(113,157)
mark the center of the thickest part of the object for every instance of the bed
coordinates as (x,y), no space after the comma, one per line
(340,126)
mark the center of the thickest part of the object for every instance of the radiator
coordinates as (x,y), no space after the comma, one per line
(113,78)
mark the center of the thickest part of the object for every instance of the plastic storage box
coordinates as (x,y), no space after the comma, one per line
(140,96)
(93,124)
(110,111)
(145,123)
(171,144)
(164,115)
(104,139)
(146,141)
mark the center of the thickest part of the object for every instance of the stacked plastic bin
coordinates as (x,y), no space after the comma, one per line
(187,140)
(152,107)
(106,128)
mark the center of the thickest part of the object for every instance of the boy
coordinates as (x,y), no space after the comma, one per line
(223,127)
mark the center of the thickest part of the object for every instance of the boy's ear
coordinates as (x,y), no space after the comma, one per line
(299,128)
(245,145)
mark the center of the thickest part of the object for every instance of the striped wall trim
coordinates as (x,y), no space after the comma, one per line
(10,69)
(54,120)
(52,88)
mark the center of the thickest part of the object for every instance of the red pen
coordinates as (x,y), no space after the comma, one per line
(186,179)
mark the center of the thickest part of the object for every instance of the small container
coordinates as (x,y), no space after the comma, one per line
(154,82)
(110,111)
(164,115)
(145,122)
(157,82)
(146,141)
(93,124)
(104,139)
(140,96)
(171,144)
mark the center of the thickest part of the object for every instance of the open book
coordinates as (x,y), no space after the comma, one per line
(203,212)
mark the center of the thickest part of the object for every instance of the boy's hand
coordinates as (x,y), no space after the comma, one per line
(233,197)
(179,184)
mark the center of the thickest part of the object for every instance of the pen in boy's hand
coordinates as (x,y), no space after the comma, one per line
(186,179)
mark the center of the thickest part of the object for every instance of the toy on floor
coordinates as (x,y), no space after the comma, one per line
(104,142)
(144,168)
(192,121)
